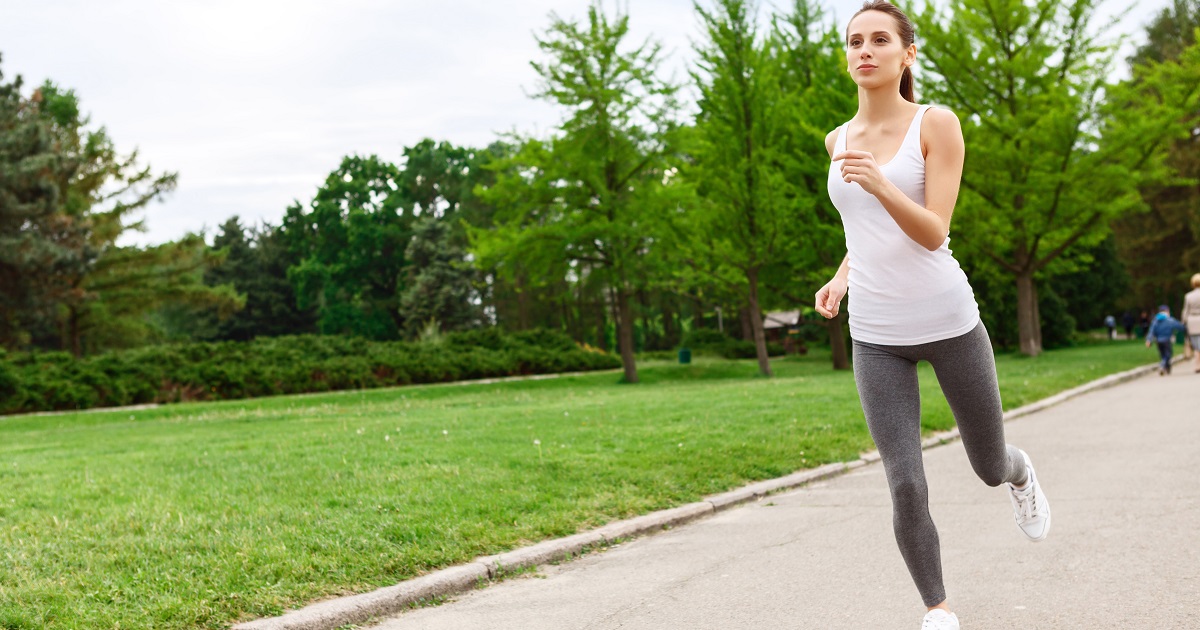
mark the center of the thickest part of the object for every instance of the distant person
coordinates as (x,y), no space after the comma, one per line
(1162,332)
(1143,323)
(1110,323)
(1127,322)
(894,178)
(1190,316)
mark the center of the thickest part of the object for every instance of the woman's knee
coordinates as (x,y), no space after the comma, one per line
(991,474)
(909,494)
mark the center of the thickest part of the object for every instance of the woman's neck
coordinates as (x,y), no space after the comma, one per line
(880,105)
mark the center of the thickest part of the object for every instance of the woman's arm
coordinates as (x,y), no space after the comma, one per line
(944,153)
(828,300)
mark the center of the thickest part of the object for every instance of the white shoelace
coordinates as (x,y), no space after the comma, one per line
(1026,504)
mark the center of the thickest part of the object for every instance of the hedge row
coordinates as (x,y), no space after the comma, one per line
(706,341)
(278,365)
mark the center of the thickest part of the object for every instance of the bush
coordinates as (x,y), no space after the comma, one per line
(705,337)
(707,341)
(279,365)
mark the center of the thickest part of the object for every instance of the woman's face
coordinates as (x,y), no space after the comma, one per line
(875,55)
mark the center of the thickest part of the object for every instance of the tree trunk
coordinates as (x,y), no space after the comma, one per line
(744,315)
(837,341)
(755,317)
(625,335)
(1028,325)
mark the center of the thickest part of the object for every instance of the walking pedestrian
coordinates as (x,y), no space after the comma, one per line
(1190,316)
(1162,332)
(894,178)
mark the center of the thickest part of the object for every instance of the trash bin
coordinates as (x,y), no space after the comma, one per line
(685,355)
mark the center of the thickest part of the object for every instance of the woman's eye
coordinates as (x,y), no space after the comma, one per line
(881,40)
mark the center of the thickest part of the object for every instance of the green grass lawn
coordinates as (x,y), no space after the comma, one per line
(200,515)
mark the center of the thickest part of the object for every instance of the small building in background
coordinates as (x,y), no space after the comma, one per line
(784,327)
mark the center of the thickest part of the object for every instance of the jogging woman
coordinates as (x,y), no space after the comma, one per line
(894,179)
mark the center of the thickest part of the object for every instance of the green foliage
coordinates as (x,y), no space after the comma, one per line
(440,282)
(1161,248)
(707,341)
(349,243)
(592,201)
(255,264)
(1096,289)
(77,289)
(31,254)
(1054,151)
(273,366)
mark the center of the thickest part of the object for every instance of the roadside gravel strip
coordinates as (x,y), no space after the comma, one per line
(357,609)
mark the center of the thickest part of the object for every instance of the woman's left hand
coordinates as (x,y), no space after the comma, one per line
(860,168)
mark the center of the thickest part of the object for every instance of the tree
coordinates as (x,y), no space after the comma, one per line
(740,161)
(131,283)
(822,96)
(74,279)
(590,200)
(97,201)
(1054,151)
(1161,248)
(350,242)
(29,252)
(439,288)
(256,265)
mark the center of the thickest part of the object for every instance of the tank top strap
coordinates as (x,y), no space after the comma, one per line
(913,135)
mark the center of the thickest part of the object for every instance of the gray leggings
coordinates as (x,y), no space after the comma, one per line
(887,385)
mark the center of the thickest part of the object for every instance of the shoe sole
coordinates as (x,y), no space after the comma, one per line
(1045,532)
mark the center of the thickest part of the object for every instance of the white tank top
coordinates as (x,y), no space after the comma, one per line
(901,294)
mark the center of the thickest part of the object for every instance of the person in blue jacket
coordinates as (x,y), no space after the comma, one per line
(1162,331)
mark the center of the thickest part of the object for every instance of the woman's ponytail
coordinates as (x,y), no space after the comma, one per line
(906,85)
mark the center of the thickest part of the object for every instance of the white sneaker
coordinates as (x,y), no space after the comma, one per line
(1030,506)
(939,619)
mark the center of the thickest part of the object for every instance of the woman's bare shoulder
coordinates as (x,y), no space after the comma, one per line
(940,128)
(941,120)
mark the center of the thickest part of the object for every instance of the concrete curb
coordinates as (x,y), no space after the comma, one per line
(334,613)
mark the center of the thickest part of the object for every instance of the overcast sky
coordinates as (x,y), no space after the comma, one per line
(254,102)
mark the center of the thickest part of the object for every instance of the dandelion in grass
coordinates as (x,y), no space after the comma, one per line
(538,444)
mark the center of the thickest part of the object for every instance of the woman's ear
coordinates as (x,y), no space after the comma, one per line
(910,55)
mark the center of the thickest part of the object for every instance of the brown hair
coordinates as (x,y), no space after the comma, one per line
(905,30)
